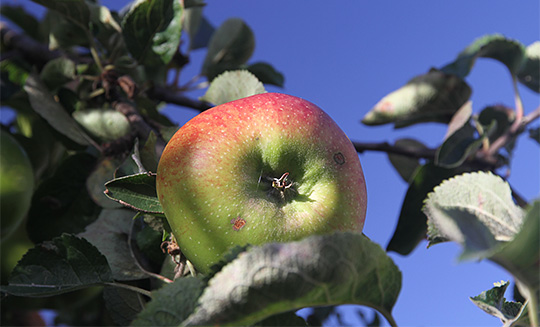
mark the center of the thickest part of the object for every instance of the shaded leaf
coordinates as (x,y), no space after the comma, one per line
(95,183)
(266,73)
(57,72)
(65,264)
(198,28)
(412,227)
(76,11)
(508,52)
(534,133)
(231,45)
(493,302)
(460,145)
(123,305)
(19,16)
(431,97)
(135,191)
(45,105)
(529,72)
(171,304)
(233,85)
(460,119)
(283,319)
(148,155)
(110,235)
(105,124)
(280,277)
(503,116)
(475,210)
(406,166)
(61,203)
(152,30)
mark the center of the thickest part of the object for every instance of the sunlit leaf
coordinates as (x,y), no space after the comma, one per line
(280,277)
(105,124)
(65,264)
(508,52)
(152,30)
(431,97)
(233,85)
(493,302)
(135,191)
(231,45)
(529,72)
(171,304)
(475,210)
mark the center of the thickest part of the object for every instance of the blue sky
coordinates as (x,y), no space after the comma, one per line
(344,56)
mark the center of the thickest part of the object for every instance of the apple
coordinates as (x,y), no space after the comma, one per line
(16,184)
(269,167)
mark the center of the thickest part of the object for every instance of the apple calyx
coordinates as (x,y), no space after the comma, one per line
(282,187)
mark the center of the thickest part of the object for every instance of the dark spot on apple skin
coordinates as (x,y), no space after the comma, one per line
(339,158)
(238,223)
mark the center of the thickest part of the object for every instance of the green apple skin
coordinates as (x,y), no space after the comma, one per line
(217,179)
(16,184)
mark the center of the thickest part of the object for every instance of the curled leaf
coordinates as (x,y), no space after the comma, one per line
(529,72)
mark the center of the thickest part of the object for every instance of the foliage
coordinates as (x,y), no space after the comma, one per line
(87,94)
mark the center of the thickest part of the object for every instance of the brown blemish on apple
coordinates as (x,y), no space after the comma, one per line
(339,158)
(238,223)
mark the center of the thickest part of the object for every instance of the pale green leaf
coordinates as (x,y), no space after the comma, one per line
(280,277)
(233,85)
(431,97)
(105,124)
(494,303)
(475,210)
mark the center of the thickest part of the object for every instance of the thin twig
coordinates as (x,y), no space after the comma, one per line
(131,288)
(169,96)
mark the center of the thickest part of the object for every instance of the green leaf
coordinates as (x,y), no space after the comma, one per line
(110,235)
(475,210)
(105,124)
(171,304)
(534,133)
(493,302)
(198,28)
(233,85)
(231,45)
(461,118)
(57,72)
(520,256)
(65,264)
(266,73)
(508,52)
(406,166)
(122,305)
(289,319)
(529,72)
(76,11)
(95,183)
(61,203)
(19,16)
(280,277)
(411,227)
(152,31)
(431,97)
(460,145)
(503,116)
(135,191)
(44,104)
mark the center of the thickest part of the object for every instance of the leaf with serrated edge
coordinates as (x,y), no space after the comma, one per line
(475,210)
(110,235)
(43,103)
(233,85)
(493,302)
(65,264)
(135,191)
(279,277)
(171,304)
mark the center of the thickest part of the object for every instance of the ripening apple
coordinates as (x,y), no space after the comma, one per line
(269,167)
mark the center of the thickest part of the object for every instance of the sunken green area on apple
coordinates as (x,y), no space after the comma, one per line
(215,177)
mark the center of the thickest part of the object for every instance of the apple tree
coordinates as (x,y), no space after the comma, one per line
(85,235)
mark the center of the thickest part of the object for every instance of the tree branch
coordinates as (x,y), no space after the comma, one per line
(168,96)
(386,147)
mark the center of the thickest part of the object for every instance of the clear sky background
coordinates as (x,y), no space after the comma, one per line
(346,55)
